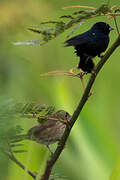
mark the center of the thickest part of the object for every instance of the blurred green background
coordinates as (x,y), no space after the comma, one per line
(93,147)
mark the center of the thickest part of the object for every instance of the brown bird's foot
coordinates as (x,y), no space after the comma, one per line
(49,150)
(68,124)
(80,75)
(59,144)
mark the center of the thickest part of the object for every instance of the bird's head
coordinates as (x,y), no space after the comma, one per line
(102,27)
(63,114)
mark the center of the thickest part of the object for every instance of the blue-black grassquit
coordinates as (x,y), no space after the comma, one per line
(90,44)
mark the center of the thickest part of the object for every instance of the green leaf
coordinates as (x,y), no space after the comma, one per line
(33,108)
(67,16)
(58,27)
(50,110)
(104,8)
(39,108)
(16,145)
(29,42)
(19,151)
(41,119)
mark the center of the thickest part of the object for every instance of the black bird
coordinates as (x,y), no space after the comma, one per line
(90,44)
(86,63)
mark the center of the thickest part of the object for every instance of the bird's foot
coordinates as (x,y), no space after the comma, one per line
(49,150)
(93,72)
(81,73)
(68,124)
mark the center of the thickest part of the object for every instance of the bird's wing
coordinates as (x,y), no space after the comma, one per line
(77,40)
(39,128)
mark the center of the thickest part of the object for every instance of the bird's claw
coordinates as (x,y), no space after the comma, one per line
(93,72)
(81,74)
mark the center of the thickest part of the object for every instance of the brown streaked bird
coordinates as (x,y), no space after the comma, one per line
(48,132)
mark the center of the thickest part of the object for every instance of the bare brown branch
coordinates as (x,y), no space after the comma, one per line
(116,25)
(77,111)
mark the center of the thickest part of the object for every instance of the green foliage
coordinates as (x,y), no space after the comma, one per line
(93,146)
(8,129)
(9,133)
(33,108)
(37,111)
(58,27)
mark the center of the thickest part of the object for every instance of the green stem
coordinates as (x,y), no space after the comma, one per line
(77,111)
(13,158)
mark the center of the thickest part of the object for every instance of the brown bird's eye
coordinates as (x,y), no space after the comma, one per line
(66,115)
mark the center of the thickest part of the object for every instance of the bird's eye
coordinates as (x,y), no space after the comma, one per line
(66,115)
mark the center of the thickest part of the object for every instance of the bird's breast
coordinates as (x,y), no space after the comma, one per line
(98,43)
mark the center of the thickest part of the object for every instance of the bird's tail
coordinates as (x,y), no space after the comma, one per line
(82,60)
(86,63)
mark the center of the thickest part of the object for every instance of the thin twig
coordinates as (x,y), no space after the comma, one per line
(80,75)
(108,15)
(79,108)
(68,73)
(115,21)
(15,160)
(113,14)
(86,7)
(59,72)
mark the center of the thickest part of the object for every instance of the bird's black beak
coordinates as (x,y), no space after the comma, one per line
(110,28)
